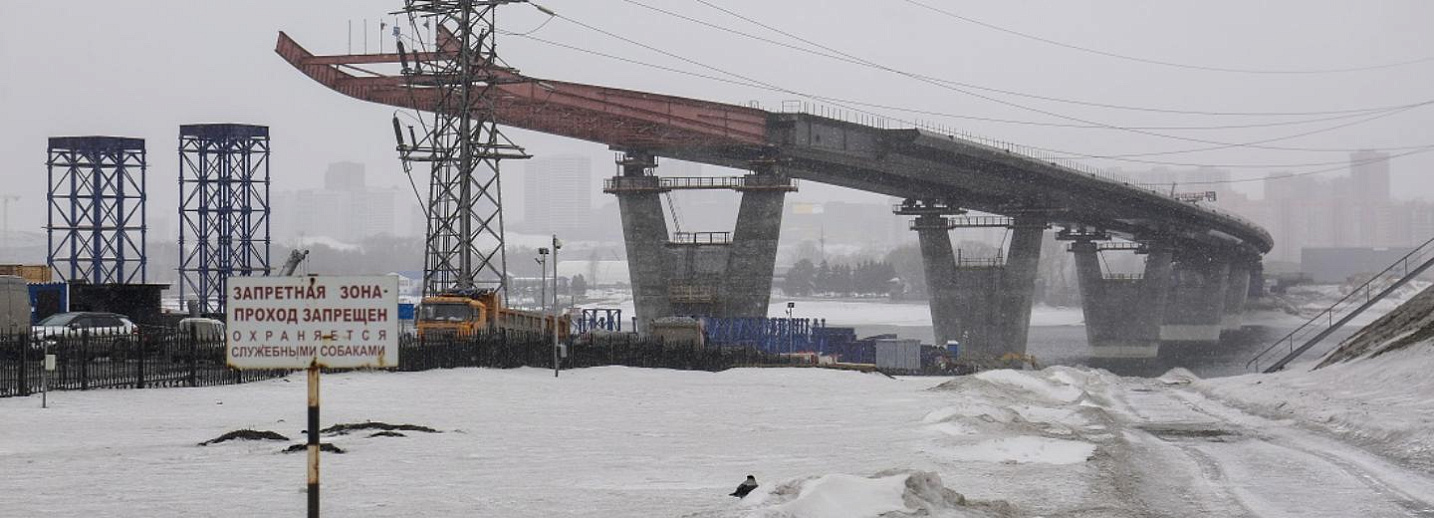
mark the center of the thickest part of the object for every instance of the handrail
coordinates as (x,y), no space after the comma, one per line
(1329,314)
(701,238)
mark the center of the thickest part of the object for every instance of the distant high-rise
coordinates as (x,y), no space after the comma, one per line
(345,176)
(557,193)
(1357,211)
(346,209)
(1370,170)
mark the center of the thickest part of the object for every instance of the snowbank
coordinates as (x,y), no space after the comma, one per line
(889,494)
(1380,403)
(1021,417)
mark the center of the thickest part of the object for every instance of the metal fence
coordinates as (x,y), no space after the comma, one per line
(161,358)
(506,350)
(150,358)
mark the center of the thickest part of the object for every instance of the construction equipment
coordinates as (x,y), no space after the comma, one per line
(459,314)
(295,257)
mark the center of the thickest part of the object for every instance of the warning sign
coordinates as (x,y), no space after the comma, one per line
(288,322)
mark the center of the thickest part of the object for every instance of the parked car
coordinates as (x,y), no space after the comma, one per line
(87,335)
(198,338)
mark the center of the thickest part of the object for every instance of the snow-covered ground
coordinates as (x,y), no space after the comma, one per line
(1310,300)
(1381,403)
(1065,442)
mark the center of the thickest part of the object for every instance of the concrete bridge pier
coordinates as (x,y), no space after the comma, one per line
(1236,294)
(938,259)
(1123,315)
(982,303)
(715,274)
(747,286)
(644,229)
(1196,310)
(1023,263)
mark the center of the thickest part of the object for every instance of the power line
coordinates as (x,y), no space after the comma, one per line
(1310,173)
(1165,63)
(1221,145)
(1258,144)
(918,111)
(834,101)
(770,86)
(840,55)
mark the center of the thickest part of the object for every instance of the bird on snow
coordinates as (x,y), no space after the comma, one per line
(746,487)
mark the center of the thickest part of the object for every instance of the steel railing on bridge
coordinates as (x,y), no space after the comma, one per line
(683,183)
(1035,154)
(701,238)
(1358,300)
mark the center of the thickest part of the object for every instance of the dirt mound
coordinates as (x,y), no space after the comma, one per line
(325,447)
(387,434)
(345,429)
(246,435)
(1408,324)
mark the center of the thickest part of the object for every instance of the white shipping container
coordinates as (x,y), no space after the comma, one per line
(902,355)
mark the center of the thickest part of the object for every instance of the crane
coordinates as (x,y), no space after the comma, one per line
(295,257)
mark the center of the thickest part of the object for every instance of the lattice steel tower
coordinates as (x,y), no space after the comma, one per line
(96,197)
(223,208)
(463,146)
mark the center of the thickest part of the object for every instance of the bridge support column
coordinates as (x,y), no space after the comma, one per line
(1196,310)
(1023,262)
(1236,294)
(1123,315)
(938,258)
(747,288)
(981,303)
(644,229)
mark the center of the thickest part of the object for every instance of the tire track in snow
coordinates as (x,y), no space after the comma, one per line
(1411,504)
(1209,469)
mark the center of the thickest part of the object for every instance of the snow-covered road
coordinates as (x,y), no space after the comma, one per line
(1245,465)
(1063,442)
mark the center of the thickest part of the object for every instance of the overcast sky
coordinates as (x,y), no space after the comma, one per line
(142,68)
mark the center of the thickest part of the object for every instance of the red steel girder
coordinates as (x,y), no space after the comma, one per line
(625,119)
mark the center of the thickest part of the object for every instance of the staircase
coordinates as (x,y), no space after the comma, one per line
(1285,350)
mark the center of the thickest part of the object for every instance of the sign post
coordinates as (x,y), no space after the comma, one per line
(312,323)
(313,440)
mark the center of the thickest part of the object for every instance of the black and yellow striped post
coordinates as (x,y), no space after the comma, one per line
(314,439)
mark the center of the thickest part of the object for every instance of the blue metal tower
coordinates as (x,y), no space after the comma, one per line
(96,197)
(223,208)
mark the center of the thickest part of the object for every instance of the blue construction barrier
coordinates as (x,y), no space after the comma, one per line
(601,319)
(771,335)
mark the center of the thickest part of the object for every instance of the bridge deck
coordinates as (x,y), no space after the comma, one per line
(907,163)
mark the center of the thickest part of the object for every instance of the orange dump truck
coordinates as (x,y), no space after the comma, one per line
(458,314)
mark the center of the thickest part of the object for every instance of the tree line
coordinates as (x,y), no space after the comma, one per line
(866,278)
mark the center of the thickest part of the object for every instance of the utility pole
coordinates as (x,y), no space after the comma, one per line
(791,336)
(556,308)
(542,260)
(464,246)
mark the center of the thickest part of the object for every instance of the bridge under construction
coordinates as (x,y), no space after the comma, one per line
(1199,261)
